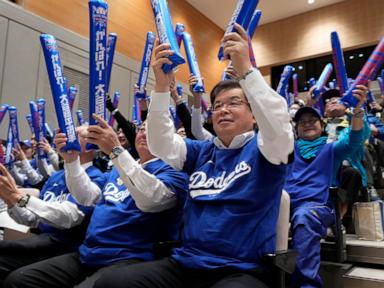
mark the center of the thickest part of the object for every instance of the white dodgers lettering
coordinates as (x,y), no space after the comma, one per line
(50,196)
(200,184)
(114,194)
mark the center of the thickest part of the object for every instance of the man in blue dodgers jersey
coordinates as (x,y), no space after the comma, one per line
(119,232)
(236,181)
(308,180)
(61,222)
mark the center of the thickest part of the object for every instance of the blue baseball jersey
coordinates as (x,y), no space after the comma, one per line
(232,208)
(55,190)
(118,230)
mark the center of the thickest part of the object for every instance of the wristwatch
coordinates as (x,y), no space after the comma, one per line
(116,151)
(23,201)
(250,70)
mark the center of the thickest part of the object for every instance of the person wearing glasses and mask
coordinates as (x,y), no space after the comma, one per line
(308,180)
(235,183)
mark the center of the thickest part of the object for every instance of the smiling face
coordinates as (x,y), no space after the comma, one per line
(309,127)
(232,115)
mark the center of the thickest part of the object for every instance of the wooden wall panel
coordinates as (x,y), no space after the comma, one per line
(131,19)
(358,22)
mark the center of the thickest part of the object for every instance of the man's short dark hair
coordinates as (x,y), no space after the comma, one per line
(222,86)
(331,93)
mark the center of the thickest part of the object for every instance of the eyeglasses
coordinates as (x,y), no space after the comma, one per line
(311,121)
(234,103)
(140,129)
(332,100)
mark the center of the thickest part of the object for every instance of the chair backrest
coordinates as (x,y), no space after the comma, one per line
(282,228)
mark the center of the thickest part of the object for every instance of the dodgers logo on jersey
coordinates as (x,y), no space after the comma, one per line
(200,184)
(114,194)
(50,196)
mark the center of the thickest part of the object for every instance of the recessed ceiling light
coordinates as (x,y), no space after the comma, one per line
(351,57)
(300,67)
(361,55)
(311,1)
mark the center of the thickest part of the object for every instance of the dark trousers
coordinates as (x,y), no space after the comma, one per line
(18,253)
(166,273)
(350,187)
(61,271)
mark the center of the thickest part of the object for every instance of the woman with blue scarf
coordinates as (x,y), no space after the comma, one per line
(308,180)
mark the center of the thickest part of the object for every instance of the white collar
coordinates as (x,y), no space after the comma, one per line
(87,165)
(147,162)
(237,142)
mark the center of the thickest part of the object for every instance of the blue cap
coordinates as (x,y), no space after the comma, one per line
(304,110)
(27,143)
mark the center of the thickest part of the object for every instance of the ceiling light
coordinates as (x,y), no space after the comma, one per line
(300,67)
(361,55)
(351,57)
(311,1)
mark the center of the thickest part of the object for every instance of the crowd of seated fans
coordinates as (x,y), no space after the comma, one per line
(99,214)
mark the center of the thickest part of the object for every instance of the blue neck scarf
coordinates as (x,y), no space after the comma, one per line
(310,149)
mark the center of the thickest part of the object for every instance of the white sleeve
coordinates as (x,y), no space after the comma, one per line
(80,185)
(53,158)
(44,168)
(197,128)
(17,175)
(163,142)
(62,215)
(149,193)
(23,216)
(275,137)
(33,176)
